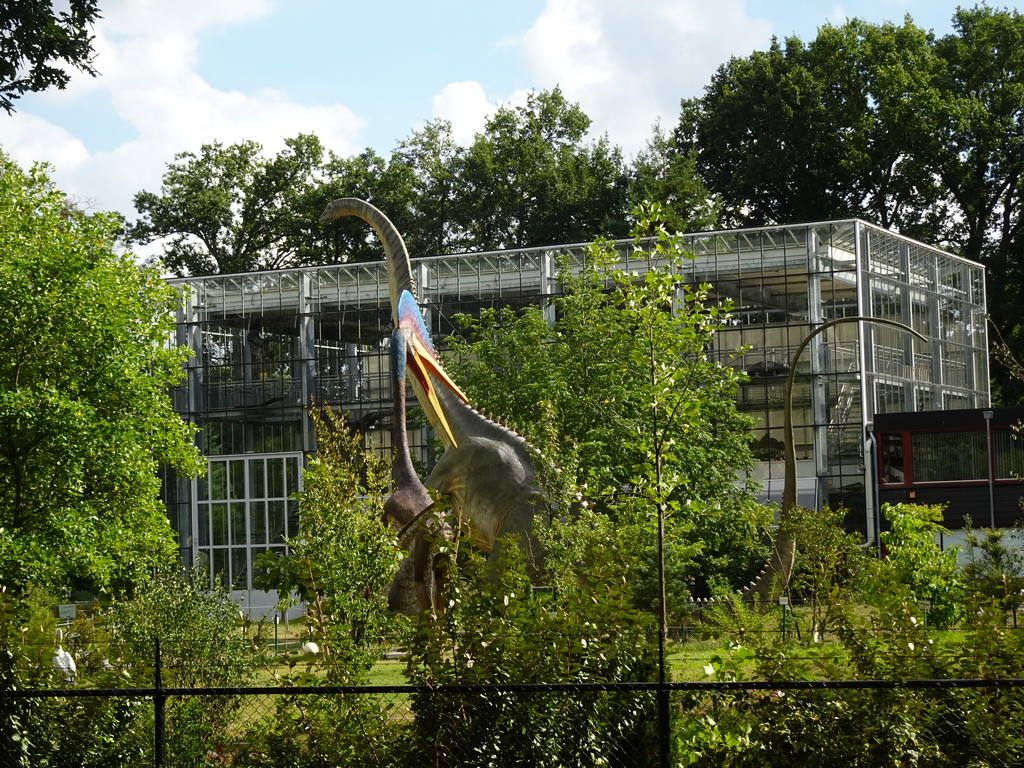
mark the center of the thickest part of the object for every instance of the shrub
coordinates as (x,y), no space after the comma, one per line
(499,629)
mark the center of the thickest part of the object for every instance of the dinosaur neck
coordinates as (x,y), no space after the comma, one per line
(403,474)
(399,265)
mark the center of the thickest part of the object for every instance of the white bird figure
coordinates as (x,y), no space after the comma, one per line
(309,646)
(63,661)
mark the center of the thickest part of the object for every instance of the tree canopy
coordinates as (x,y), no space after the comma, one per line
(886,122)
(229,209)
(530,178)
(85,418)
(817,131)
(34,40)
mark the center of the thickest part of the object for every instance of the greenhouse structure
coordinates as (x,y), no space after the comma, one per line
(268,344)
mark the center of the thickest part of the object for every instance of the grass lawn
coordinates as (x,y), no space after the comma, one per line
(686,660)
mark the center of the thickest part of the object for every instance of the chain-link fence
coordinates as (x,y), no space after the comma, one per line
(838,723)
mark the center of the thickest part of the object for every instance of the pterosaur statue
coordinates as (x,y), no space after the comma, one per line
(486,470)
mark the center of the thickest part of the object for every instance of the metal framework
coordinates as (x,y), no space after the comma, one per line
(267,344)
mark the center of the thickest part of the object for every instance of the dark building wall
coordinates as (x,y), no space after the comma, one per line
(987,490)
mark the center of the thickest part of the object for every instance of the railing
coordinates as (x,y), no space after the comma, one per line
(854,722)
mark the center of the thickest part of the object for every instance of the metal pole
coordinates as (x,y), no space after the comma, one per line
(991,472)
(784,605)
(664,724)
(159,737)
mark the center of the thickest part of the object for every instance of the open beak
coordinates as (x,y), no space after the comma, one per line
(426,370)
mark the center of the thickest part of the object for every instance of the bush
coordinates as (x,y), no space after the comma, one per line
(499,629)
(201,644)
(62,731)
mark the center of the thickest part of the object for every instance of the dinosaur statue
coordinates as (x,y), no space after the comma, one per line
(486,470)
(773,580)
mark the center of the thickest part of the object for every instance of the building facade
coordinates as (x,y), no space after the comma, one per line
(265,345)
(970,461)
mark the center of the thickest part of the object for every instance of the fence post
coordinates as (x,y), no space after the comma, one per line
(159,701)
(664,727)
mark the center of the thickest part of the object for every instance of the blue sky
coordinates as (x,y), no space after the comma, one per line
(177,75)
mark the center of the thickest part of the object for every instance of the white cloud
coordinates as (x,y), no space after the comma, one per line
(29,139)
(466,107)
(629,64)
(838,16)
(143,17)
(147,57)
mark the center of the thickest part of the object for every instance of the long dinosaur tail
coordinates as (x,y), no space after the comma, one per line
(399,266)
(773,580)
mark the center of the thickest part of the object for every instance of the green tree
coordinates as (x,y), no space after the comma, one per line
(918,133)
(914,568)
(498,629)
(622,376)
(531,178)
(827,566)
(671,178)
(229,209)
(976,149)
(85,420)
(34,40)
(995,567)
(817,131)
(435,163)
(197,628)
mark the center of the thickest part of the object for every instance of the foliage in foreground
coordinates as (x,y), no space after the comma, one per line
(114,648)
(38,46)
(884,623)
(84,411)
(622,379)
(499,629)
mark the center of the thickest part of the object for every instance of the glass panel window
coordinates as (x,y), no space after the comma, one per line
(238,522)
(292,466)
(890,398)
(276,521)
(204,525)
(249,508)
(237,479)
(946,456)
(293,517)
(218,480)
(258,522)
(219,571)
(257,488)
(220,523)
(275,478)
(892,459)
(239,568)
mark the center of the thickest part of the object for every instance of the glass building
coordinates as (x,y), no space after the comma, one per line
(268,344)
